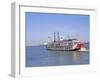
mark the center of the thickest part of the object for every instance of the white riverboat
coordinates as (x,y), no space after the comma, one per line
(71,44)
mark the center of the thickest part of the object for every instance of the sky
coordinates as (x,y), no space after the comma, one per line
(40,27)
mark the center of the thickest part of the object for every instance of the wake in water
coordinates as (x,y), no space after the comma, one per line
(84,49)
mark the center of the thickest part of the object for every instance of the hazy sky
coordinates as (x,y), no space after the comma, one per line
(40,26)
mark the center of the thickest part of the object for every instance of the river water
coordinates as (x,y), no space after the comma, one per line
(37,56)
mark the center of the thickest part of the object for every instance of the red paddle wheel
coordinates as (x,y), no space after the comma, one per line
(80,45)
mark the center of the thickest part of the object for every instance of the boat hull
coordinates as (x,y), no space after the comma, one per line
(58,49)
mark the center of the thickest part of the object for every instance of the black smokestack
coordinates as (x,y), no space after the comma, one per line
(54,37)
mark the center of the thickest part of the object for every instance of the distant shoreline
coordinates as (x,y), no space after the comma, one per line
(46,45)
(35,45)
